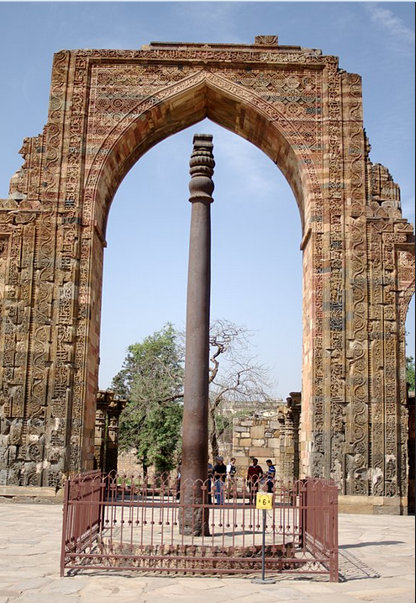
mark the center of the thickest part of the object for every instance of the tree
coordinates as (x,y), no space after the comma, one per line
(151,379)
(234,375)
(410,372)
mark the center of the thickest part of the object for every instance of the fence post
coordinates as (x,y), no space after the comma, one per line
(333,507)
(64,527)
(302,487)
(103,488)
(263,502)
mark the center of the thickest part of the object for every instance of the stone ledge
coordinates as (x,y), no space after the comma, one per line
(31,494)
(372,505)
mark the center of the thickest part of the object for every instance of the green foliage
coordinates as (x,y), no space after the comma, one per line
(151,379)
(410,372)
(160,436)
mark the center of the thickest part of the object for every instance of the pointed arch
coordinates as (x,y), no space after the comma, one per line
(181,105)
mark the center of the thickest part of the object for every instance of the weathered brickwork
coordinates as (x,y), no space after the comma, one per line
(271,434)
(107,108)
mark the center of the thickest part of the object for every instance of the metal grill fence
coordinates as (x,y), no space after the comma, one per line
(117,522)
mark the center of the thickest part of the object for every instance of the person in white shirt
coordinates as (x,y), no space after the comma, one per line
(231,468)
(231,481)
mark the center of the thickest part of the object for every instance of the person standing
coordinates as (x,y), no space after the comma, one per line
(270,475)
(254,474)
(231,468)
(231,473)
(178,482)
(209,482)
(220,472)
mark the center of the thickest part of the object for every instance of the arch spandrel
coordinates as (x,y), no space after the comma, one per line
(203,94)
(107,108)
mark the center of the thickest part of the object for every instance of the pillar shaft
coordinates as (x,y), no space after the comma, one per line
(195,418)
(195,426)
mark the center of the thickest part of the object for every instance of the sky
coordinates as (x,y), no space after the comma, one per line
(256,230)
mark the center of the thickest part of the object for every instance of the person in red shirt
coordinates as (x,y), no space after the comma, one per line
(254,474)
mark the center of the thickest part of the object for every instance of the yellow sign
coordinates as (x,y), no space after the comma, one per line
(264,501)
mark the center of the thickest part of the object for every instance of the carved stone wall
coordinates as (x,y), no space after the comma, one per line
(107,108)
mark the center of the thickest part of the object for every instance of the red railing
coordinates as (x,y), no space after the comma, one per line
(119,522)
(82,513)
(319,522)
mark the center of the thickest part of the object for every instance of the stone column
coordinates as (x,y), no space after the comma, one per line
(100,430)
(114,410)
(195,416)
(107,418)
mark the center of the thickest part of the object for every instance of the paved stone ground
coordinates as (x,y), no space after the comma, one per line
(377,563)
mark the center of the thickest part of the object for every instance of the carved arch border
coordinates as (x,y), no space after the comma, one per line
(104,165)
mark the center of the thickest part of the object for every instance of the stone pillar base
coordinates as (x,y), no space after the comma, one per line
(373,505)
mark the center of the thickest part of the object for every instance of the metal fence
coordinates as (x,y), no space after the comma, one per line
(116,522)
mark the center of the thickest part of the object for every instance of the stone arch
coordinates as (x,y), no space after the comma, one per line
(106,108)
(179,106)
(233,107)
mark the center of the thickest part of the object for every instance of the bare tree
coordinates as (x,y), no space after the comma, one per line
(152,380)
(235,376)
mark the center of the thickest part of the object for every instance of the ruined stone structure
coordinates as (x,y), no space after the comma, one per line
(107,417)
(107,108)
(272,432)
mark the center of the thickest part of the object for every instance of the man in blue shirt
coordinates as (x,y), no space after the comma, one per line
(270,475)
(220,472)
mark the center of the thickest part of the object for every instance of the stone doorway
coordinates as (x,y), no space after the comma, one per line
(107,107)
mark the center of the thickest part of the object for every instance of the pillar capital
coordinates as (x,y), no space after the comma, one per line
(201,169)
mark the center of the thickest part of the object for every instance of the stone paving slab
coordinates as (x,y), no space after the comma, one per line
(377,563)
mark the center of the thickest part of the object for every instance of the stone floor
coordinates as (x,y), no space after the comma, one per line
(377,563)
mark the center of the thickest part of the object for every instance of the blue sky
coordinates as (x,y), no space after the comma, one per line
(256,280)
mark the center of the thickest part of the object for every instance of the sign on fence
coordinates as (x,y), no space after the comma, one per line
(264,501)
